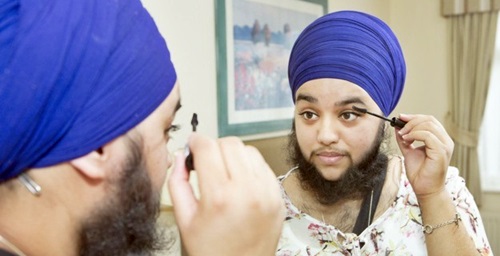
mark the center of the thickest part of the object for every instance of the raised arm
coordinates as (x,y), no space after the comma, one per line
(427,149)
(240,210)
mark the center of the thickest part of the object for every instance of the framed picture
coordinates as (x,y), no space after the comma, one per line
(254,40)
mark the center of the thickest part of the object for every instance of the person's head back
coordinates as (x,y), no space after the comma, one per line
(88,86)
(343,59)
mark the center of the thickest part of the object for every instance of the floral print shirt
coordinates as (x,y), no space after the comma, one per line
(398,231)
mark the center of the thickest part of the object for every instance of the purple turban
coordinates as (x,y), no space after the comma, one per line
(351,46)
(74,75)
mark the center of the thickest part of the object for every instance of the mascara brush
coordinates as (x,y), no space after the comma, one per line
(395,122)
(189,157)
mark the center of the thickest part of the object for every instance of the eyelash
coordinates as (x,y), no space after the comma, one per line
(341,115)
(171,129)
(307,112)
(349,113)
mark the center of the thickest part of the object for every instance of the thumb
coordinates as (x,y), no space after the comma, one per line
(181,192)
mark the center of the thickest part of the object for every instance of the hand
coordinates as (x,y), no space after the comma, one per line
(426,165)
(240,210)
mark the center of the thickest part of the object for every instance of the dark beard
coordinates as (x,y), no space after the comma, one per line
(125,224)
(355,183)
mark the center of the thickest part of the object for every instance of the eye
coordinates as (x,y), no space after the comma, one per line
(171,129)
(349,116)
(308,115)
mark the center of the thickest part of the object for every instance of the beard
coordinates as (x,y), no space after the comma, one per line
(125,223)
(357,181)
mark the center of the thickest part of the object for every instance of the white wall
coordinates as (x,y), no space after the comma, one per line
(379,8)
(422,32)
(189,29)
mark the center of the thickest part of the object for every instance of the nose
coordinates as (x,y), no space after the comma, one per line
(327,133)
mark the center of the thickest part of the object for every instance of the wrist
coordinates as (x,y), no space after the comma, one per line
(437,205)
(439,195)
(428,229)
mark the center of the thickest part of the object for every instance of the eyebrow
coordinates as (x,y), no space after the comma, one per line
(351,100)
(307,98)
(178,106)
(348,101)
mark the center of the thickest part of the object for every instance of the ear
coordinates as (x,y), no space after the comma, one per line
(92,165)
(103,161)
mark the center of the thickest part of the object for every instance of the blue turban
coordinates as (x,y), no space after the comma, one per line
(74,75)
(351,46)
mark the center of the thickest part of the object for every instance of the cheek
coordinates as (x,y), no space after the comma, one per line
(158,162)
(306,138)
(359,145)
(369,136)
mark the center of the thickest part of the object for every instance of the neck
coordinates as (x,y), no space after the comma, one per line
(31,228)
(327,212)
(342,214)
(40,225)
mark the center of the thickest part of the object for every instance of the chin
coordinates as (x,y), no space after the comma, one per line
(331,173)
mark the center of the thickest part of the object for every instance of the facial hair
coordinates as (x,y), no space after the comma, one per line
(355,183)
(125,223)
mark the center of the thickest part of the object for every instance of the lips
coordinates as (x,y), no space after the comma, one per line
(330,157)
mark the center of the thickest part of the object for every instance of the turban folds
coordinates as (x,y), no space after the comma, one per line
(351,46)
(74,75)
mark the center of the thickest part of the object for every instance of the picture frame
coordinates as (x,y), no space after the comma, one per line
(253,40)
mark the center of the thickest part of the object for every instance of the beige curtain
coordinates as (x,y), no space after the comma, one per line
(472,49)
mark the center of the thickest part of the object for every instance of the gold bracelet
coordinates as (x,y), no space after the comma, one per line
(428,228)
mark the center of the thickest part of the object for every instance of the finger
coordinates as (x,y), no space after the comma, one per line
(267,183)
(404,146)
(434,148)
(425,122)
(261,173)
(237,159)
(181,192)
(208,163)
(260,166)
(412,121)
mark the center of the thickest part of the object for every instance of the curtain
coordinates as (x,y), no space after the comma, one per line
(489,138)
(472,50)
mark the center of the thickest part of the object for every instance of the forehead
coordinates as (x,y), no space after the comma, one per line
(165,112)
(172,102)
(333,91)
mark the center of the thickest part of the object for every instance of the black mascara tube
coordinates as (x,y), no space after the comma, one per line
(395,122)
(189,157)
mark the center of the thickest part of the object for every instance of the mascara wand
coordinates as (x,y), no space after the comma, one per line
(395,122)
(194,121)
(189,158)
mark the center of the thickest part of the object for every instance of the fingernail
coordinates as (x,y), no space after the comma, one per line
(403,136)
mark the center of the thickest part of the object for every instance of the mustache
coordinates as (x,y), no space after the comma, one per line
(329,151)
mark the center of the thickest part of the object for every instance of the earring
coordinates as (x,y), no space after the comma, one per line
(30,184)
